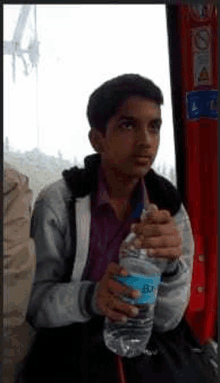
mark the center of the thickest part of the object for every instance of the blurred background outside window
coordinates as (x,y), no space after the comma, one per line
(55,56)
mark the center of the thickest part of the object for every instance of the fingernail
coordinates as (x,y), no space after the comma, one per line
(153,207)
(124,319)
(136,294)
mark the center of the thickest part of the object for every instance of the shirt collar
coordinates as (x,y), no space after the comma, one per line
(102,196)
(139,198)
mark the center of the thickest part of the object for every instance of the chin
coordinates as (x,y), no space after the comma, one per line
(140,171)
(133,171)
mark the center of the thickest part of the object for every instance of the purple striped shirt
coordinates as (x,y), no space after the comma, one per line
(107,232)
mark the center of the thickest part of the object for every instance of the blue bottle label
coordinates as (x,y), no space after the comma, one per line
(147,285)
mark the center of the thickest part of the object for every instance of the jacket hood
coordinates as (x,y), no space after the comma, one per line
(81,181)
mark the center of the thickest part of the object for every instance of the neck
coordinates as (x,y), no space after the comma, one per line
(120,186)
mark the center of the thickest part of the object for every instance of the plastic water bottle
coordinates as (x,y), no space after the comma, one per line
(144,273)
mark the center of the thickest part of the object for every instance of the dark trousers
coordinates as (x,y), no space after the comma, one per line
(77,354)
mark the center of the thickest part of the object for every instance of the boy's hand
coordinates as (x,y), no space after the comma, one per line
(159,235)
(108,294)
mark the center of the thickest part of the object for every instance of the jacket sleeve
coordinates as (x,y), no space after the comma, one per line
(55,302)
(18,248)
(174,289)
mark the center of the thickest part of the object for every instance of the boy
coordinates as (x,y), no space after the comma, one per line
(80,222)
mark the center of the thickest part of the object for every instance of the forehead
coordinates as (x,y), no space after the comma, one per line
(139,107)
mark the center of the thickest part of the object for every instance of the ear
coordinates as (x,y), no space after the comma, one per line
(96,140)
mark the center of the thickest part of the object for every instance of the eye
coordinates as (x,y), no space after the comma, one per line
(127,125)
(155,125)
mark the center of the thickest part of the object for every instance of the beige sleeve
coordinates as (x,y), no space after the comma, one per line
(18,248)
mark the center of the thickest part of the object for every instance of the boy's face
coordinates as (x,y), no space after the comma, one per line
(132,137)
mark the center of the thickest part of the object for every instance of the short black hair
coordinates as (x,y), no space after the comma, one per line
(108,98)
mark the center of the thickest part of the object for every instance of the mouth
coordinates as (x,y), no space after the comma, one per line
(143,159)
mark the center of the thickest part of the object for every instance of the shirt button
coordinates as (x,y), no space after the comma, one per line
(200,289)
(201,258)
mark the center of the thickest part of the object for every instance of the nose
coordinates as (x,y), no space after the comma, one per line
(144,137)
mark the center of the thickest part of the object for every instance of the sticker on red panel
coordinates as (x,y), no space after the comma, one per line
(201,12)
(202,104)
(202,60)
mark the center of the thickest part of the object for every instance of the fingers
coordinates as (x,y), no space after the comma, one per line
(118,289)
(145,213)
(169,246)
(114,268)
(110,292)
(159,235)
(156,223)
(158,216)
(161,241)
(152,229)
(118,310)
(169,252)
(112,285)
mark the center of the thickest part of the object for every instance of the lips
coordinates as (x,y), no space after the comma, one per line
(142,156)
(142,159)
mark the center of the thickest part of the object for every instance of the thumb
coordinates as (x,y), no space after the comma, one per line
(152,207)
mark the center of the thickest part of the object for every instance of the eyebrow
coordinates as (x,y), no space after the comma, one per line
(158,119)
(127,118)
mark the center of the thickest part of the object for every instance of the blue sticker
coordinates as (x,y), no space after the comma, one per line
(202,103)
(147,285)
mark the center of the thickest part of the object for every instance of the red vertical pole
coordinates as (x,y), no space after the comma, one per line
(198,29)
